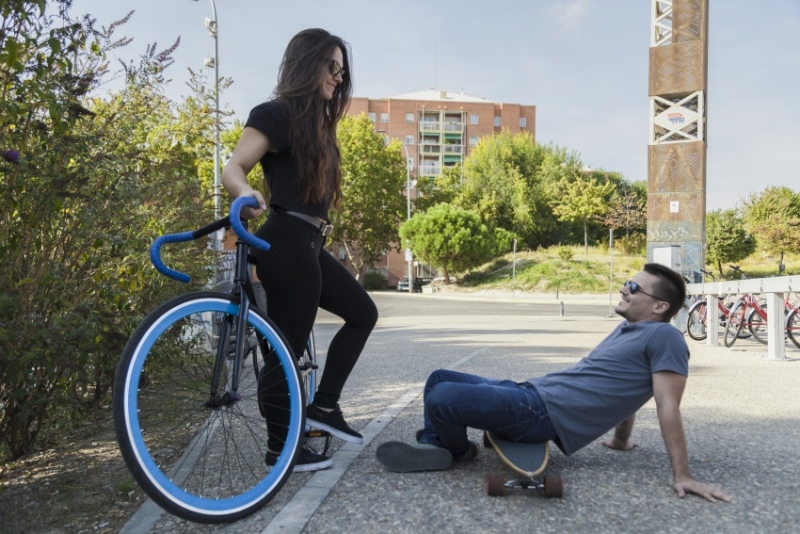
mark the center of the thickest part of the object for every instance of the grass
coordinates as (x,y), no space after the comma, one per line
(549,270)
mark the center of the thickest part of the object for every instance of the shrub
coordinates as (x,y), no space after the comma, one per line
(633,245)
(374,280)
(565,253)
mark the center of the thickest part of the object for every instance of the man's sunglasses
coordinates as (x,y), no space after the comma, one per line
(634,288)
(335,69)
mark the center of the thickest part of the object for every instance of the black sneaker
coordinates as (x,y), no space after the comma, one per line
(332,422)
(469,455)
(408,458)
(308,460)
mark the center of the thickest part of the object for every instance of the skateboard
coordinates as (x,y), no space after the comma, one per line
(528,460)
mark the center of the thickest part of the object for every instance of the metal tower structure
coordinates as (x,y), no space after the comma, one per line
(676,171)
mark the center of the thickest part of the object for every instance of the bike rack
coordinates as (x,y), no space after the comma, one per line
(772,288)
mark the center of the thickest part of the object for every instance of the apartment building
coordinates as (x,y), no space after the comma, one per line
(438,129)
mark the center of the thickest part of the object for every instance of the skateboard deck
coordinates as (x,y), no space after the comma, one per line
(527,459)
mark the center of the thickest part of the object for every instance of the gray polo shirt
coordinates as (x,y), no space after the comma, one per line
(612,382)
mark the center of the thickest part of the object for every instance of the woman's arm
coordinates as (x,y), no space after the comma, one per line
(249,150)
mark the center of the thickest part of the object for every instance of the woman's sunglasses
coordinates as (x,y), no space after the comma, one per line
(634,288)
(335,69)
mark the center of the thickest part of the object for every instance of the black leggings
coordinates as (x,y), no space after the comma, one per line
(298,277)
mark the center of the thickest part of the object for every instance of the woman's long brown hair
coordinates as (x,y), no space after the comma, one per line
(313,120)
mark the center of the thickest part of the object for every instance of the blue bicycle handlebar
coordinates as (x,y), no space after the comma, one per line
(155,255)
(232,220)
(238,227)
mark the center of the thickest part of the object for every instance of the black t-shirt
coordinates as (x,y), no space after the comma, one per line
(272,119)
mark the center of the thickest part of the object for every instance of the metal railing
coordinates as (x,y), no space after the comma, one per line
(454,149)
(772,289)
(430,170)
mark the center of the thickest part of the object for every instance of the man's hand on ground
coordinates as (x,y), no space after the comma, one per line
(707,491)
(614,443)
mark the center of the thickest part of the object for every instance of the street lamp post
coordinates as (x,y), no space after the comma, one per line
(213,29)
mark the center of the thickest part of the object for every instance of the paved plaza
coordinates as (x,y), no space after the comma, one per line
(740,410)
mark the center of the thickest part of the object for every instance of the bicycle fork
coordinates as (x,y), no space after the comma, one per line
(239,323)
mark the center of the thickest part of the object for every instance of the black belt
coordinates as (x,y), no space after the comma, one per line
(323,226)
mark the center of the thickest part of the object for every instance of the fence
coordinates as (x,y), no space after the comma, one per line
(773,289)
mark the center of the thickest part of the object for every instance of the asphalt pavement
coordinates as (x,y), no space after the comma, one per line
(740,411)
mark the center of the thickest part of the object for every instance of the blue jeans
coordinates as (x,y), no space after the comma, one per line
(455,401)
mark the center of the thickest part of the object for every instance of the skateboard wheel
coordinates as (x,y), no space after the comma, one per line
(486,442)
(495,485)
(553,486)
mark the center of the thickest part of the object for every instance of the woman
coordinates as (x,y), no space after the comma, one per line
(294,137)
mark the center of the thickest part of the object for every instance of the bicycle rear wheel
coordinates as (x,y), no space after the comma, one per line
(696,321)
(735,322)
(793,327)
(199,451)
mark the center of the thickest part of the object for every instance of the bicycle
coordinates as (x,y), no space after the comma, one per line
(697,315)
(186,402)
(750,312)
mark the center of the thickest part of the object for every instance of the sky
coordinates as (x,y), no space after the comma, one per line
(583,64)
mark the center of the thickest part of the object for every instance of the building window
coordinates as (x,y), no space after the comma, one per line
(409,139)
(409,117)
(410,163)
(473,140)
(498,122)
(372,116)
(384,117)
(473,119)
(523,122)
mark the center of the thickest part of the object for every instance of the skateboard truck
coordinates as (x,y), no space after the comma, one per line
(551,485)
(528,460)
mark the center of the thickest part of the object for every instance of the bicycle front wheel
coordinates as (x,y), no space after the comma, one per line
(696,321)
(793,327)
(193,439)
(735,322)
(757,326)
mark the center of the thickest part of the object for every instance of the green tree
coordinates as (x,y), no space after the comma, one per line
(95,181)
(446,188)
(373,205)
(726,238)
(581,200)
(627,208)
(501,183)
(449,237)
(773,217)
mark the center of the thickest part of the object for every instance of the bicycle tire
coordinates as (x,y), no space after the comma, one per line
(734,325)
(696,319)
(197,458)
(757,326)
(308,368)
(680,319)
(793,327)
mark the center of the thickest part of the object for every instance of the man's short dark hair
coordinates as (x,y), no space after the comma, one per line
(670,286)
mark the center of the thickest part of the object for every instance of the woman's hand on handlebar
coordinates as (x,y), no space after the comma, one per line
(250,213)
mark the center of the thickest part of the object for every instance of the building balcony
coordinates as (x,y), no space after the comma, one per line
(430,126)
(431,149)
(430,170)
(454,149)
(453,126)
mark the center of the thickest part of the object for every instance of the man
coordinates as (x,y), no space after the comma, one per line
(644,357)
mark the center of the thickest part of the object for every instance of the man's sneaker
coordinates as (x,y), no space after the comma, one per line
(407,458)
(469,455)
(308,460)
(332,422)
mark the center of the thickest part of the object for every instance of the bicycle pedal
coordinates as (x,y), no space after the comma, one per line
(317,433)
